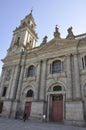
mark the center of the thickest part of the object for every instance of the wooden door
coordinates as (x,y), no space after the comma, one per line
(27,109)
(57,108)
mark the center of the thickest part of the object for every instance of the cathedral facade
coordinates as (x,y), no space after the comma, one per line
(46,80)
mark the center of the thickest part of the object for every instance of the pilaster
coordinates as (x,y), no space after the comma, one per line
(38,81)
(14,83)
(10,83)
(69,79)
(77,78)
(48,106)
(43,80)
(20,83)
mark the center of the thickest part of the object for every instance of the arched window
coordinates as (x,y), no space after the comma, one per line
(57,88)
(56,66)
(29,93)
(31,71)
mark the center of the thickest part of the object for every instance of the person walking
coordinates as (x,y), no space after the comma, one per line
(24,116)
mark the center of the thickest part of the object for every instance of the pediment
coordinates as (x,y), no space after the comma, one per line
(56,44)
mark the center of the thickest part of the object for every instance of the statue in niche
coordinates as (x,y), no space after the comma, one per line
(8,74)
(70,33)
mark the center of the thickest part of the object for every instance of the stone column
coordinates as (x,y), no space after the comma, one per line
(37,89)
(69,79)
(14,83)
(77,78)
(43,80)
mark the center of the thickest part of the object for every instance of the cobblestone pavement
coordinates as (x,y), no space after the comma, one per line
(12,124)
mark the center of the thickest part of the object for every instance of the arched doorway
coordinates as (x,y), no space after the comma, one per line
(29,96)
(57,108)
(56,97)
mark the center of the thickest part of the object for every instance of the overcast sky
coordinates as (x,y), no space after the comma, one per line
(47,14)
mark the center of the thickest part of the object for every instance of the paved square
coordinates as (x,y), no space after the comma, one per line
(12,124)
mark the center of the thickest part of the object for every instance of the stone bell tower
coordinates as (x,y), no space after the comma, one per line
(24,35)
(24,38)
